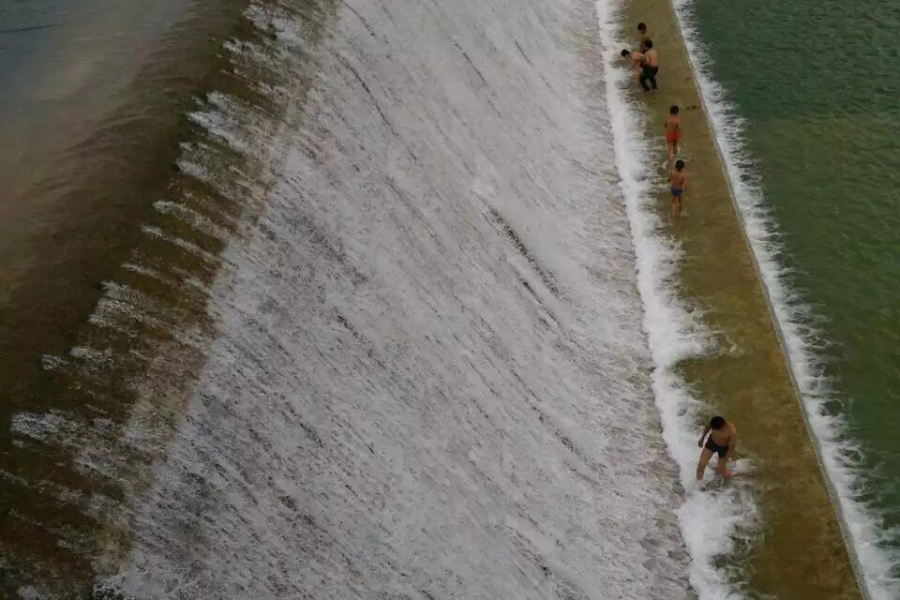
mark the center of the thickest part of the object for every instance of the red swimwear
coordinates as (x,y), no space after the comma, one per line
(673,136)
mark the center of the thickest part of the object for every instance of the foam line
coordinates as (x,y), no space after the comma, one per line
(794,323)
(710,520)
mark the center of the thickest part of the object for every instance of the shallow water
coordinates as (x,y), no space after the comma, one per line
(380,333)
(822,142)
(77,218)
(361,300)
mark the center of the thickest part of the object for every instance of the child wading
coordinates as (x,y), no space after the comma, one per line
(637,60)
(678,182)
(673,133)
(643,36)
(722,440)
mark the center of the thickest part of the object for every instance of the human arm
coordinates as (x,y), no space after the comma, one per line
(732,443)
(637,60)
(703,436)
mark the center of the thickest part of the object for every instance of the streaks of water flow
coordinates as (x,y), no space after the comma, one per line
(430,378)
(82,451)
(715,524)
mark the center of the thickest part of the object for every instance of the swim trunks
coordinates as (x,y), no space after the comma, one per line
(673,137)
(677,191)
(714,447)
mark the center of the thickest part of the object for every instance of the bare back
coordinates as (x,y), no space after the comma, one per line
(678,179)
(673,122)
(650,58)
(722,437)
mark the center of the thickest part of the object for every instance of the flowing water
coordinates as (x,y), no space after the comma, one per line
(377,332)
(305,298)
(430,379)
(814,131)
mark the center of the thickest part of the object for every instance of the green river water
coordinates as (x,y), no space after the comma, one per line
(817,82)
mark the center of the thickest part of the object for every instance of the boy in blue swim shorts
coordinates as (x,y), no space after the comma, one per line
(678,184)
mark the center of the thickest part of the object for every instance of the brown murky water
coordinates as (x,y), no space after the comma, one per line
(103,315)
(108,239)
(747,378)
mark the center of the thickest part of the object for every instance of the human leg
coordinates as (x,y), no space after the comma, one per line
(723,466)
(705,456)
(643,80)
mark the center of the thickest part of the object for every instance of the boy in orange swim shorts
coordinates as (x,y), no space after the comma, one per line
(673,133)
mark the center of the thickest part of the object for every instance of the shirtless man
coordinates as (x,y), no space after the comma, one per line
(678,184)
(673,133)
(649,66)
(643,36)
(722,440)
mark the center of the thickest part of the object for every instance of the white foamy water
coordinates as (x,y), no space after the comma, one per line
(711,520)
(794,319)
(430,377)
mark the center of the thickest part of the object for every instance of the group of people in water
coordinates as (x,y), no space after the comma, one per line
(719,437)
(645,61)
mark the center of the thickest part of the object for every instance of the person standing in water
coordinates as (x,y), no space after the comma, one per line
(673,133)
(722,440)
(649,66)
(678,184)
(643,36)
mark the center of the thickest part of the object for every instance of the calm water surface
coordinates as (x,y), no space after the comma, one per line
(818,84)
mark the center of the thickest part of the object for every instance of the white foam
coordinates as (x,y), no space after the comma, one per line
(799,335)
(388,409)
(710,520)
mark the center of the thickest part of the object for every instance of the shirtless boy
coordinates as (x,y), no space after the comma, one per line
(673,133)
(722,440)
(650,66)
(643,36)
(678,184)
(637,59)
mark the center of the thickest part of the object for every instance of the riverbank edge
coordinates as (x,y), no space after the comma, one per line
(675,25)
(832,490)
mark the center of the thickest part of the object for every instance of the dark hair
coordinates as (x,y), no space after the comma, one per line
(715,422)
(642,27)
(679,164)
(673,110)
(626,52)
(648,44)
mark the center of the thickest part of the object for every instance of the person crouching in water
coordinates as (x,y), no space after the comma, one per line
(678,185)
(645,63)
(637,61)
(722,440)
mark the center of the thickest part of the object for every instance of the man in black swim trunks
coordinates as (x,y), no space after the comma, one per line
(649,66)
(722,440)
